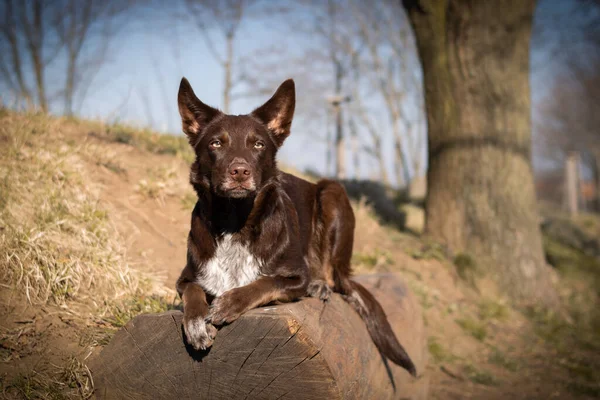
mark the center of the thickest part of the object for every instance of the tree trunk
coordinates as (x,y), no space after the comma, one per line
(355,148)
(375,136)
(10,32)
(400,161)
(227,66)
(481,200)
(70,86)
(572,184)
(306,350)
(340,156)
(34,32)
(596,179)
(340,162)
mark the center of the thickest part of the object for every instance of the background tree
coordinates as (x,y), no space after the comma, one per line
(481,199)
(85,29)
(70,35)
(362,58)
(217,17)
(567,118)
(27,49)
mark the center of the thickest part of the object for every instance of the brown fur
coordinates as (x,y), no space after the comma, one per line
(302,232)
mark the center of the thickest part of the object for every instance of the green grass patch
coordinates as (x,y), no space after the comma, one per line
(188,200)
(577,345)
(152,141)
(438,352)
(70,381)
(467,268)
(473,327)
(497,357)
(369,261)
(422,292)
(430,251)
(491,309)
(123,311)
(480,376)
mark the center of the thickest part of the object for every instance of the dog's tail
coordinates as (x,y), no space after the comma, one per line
(378,326)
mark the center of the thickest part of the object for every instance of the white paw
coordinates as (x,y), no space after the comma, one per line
(199,333)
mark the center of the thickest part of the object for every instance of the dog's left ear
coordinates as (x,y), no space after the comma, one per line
(278,112)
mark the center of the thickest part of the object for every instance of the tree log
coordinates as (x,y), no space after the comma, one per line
(302,350)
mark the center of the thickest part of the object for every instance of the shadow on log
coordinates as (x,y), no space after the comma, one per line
(302,350)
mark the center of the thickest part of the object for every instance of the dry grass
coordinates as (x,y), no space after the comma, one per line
(161,182)
(57,242)
(151,141)
(73,380)
(58,246)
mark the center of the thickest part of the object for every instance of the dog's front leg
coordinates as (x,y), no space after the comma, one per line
(199,333)
(232,304)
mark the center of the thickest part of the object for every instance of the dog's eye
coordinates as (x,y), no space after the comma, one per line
(259,145)
(215,143)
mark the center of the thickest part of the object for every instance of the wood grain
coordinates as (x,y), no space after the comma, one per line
(302,350)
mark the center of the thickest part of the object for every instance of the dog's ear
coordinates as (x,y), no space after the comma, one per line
(195,115)
(278,112)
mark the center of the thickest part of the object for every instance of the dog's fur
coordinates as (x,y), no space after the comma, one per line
(259,235)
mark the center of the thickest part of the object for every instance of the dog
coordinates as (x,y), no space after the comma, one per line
(259,235)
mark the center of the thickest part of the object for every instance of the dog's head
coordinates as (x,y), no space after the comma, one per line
(235,154)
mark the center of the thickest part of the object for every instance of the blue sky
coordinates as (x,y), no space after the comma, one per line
(138,83)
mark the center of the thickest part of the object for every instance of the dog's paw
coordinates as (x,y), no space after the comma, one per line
(319,289)
(199,333)
(226,308)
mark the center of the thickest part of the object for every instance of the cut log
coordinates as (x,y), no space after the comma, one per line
(302,350)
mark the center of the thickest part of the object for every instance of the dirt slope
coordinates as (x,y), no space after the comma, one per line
(480,347)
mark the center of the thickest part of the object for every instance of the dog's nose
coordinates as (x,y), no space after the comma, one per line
(240,171)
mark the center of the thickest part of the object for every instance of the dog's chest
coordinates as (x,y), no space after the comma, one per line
(231,266)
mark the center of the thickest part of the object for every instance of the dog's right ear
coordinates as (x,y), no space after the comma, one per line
(195,115)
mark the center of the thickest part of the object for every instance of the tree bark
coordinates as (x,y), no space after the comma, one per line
(355,148)
(227,66)
(34,37)
(9,30)
(79,24)
(306,350)
(340,155)
(359,110)
(392,98)
(572,184)
(481,200)
(596,179)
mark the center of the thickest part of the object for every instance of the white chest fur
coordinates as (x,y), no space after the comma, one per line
(232,266)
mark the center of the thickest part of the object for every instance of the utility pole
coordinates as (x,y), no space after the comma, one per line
(336,103)
(572,182)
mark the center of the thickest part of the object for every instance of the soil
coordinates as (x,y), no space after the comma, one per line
(510,361)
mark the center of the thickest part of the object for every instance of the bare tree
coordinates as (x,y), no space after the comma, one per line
(225,17)
(375,149)
(568,118)
(383,79)
(24,33)
(363,66)
(37,33)
(340,67)
(328,24)
(382,73)
(77,23)
(571,121)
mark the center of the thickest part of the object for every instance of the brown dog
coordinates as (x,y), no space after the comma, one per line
(259,235)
